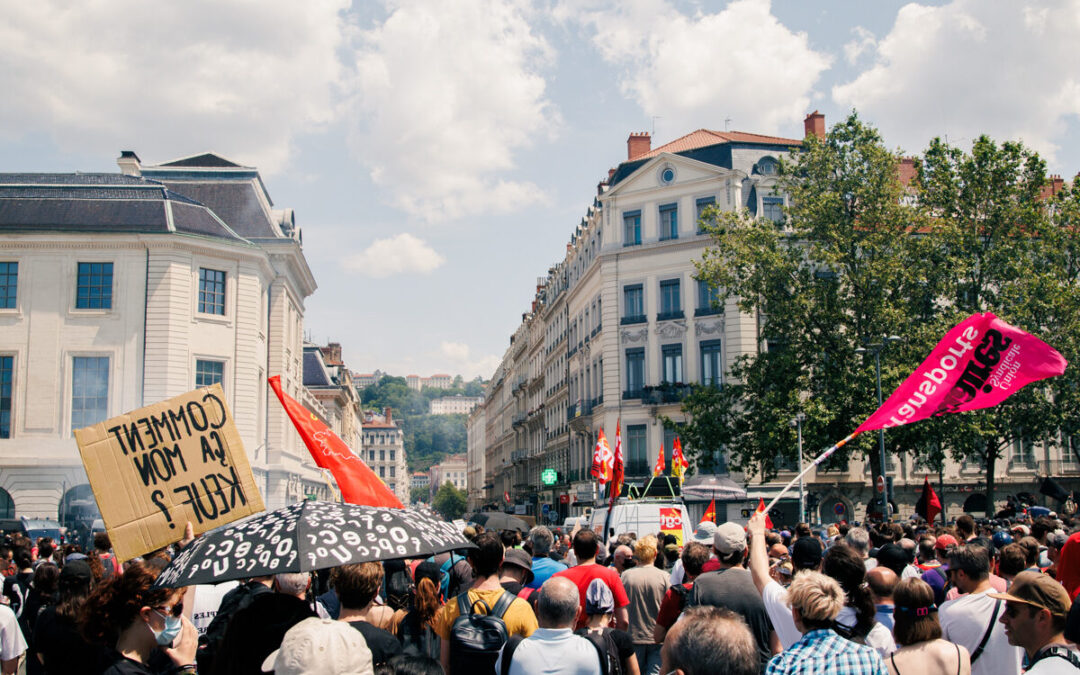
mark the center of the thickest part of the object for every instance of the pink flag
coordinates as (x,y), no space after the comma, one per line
(980,363)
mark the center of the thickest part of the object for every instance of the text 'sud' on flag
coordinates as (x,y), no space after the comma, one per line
(980,362)
(928,506)
(358,483)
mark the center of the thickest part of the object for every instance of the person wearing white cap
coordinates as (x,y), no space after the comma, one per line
(731,586)
(320,647)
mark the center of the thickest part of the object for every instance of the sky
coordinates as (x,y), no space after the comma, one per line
(438,155)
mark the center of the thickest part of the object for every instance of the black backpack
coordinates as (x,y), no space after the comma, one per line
(477,639)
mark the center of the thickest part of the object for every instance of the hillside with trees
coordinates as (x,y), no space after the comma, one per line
(428,438)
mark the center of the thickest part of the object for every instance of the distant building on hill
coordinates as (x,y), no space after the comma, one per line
(384,451)
(437,381)
(453,469)
(455,405)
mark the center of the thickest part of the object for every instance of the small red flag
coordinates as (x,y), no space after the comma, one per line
(358,483)
(618,473)
(928,506)
(658,468)
(761,509)
(710,513)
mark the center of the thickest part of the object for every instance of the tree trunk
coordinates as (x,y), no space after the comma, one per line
(991,460)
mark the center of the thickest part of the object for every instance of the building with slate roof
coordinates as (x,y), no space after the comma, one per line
(121,290)
(331,384)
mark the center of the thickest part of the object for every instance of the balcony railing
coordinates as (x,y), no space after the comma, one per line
(571,412)
(668,316)
(665,393)
(635,318)
(630,394)
(1058,467)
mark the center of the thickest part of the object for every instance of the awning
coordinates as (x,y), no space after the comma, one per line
(707,487)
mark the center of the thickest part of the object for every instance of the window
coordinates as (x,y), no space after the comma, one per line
(393,471)
(382,455)
(637,458)
(631,228)
(708,299)
(94,288)
(1023,452)
(392,453)
(633,304)
(9,284)
(211,291)
(7,367)
(371,455)
(669,221)
(208,373)
(89,390)
(773,208)
(667,175)
(382,472)
(711,367)
(700,206)
(670,303)
(635,372)
(672,362)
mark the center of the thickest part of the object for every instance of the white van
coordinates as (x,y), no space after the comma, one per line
(643,517)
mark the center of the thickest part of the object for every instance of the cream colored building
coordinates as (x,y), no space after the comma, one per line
(455,405)
(476,460)
(126,289)
(331,384)
(384,452)
(453,468)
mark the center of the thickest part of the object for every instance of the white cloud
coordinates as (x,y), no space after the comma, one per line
(446,92)
(458,357)
(170,79)
(972,67)
(694,71)
(864,42)
(402,254)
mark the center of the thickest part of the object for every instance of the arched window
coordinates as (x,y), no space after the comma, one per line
(7,504)
(78,508)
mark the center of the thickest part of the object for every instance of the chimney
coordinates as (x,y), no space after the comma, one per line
(388,415)
(332,353)
(814,124)
(637,145)
(129,163)
(1052,186)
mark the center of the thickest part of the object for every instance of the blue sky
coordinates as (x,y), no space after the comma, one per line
(439,154)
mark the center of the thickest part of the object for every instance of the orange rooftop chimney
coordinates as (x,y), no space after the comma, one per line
(814,124)
(638,145)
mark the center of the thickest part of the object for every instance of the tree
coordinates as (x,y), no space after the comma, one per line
(449,501)
(988,213)
(419,494)
(840,272)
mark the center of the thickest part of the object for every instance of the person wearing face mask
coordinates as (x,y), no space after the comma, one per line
(143,625)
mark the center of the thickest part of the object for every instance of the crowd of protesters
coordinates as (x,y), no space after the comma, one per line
(989,597)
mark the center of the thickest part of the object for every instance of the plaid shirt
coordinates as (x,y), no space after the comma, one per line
(823,652)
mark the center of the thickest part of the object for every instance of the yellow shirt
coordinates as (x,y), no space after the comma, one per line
(519,616)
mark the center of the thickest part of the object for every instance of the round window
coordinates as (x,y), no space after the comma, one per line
(667,175)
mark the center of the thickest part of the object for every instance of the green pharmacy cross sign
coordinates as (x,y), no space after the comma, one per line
(549,476)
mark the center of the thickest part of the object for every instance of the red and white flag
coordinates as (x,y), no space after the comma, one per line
(618,472)
(981,362)
(603,460)
(357,482)
(658,468)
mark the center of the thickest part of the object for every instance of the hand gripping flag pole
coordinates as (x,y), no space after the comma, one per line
(978,364)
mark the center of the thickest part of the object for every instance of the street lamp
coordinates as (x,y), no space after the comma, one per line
(796,422)
(875,349)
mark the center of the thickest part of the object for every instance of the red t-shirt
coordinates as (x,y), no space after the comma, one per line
(671,607)
(582,576)
(711,565)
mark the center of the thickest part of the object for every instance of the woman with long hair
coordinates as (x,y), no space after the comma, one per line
(42,594)
(918,635)
(856,620)
(58,645)
(139,622)
(415,626)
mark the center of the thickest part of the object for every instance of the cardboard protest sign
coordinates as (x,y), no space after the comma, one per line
(156,468)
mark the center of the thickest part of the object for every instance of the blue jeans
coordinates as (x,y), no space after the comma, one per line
(648,659)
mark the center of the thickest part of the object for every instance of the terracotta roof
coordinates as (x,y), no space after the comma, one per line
(379,425)
(705,137)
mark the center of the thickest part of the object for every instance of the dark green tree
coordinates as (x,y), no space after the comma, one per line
(449,501)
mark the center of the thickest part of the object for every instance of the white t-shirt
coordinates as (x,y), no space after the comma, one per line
(1052,665)
(964,621)
(677,573)
(553,651)
(911,572)
(12,642)
(775,598)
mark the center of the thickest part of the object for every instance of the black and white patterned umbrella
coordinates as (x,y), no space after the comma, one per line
(309,536)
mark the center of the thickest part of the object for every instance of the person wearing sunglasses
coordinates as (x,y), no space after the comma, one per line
(144,625)
(1036,607)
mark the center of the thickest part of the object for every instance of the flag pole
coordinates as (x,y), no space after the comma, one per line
(820,458)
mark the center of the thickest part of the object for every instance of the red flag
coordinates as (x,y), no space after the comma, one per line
(658,468)
(981,362)
(678,460)
(761,509)
(506,496)
(358,483)
(928,506)
(602,460)
(710,513)
(618,470)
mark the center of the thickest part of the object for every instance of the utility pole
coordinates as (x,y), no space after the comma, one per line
(875,349)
